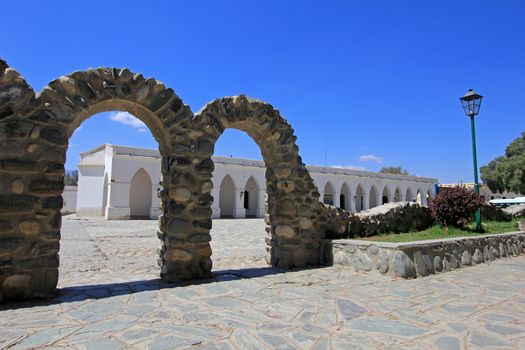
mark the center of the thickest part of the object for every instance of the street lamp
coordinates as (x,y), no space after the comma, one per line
(471,102)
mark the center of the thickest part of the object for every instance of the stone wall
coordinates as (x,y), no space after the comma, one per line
(417,259)
(34,135)
(391,217)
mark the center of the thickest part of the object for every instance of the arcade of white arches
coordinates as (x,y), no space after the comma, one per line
(238,184)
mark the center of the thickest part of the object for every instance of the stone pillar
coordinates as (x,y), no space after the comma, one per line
(261,202)
(215,193)
(351,203)
(366,200)
(402,197)
(424,199)
(337,199)
(238,209)
(118,201)
(379,199)
(321,196)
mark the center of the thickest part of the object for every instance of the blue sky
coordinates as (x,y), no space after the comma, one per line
(365,84)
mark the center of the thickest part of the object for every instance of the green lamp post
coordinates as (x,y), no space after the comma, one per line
(471,102)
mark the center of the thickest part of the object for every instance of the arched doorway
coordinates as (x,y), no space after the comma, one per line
(328,194)
(409,195)
(344,197)
(385,196)
(140,193)
(359,198)
(227,197)
(373,197)
(251,193)
(397,195)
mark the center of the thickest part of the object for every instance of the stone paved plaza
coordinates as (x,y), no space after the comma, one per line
(110,297)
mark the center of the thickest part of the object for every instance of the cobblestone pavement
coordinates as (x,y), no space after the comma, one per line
(111,298)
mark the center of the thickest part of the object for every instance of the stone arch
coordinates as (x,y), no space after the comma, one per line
(385,196)
(140,195)
(328,193)
(34,135)
(227,197)
(251,197)
(409,195)
(295,215)
(359,198)
(372,201)
(344,197)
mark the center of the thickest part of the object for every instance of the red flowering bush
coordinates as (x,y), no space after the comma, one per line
(455,206)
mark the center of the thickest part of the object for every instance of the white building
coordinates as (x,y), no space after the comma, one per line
(485,191)
(122,182)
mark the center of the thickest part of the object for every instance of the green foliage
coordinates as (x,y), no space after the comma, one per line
(393,170)
(71,178)
(507,173)
(455,206)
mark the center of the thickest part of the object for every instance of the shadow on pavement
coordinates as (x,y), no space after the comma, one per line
(100,291)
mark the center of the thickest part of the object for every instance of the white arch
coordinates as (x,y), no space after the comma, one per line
(372,193)
(397,194)
(344,197)
(409,195)
(140,194)
(359,197)
(385,195)
(227,196)
(251,197)
(328,193)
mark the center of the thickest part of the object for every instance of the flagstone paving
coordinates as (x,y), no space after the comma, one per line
(110,297)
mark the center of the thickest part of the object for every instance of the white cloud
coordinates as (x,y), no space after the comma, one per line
(128,119)
(351,167)
(371,158)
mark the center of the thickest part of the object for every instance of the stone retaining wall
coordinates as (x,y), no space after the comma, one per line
(422,258)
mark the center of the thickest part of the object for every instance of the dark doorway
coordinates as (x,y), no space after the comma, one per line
(246,200)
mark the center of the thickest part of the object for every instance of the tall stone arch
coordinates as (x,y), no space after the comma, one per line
(34,134)
(293,207)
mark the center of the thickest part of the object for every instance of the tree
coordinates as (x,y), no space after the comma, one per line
(71,178)
(507,173)
(393,170)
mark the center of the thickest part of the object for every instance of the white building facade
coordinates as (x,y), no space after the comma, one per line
(120,182)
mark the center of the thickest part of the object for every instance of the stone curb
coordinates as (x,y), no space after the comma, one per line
(422,258)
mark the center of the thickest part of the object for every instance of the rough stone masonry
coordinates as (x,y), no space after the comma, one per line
(34,133)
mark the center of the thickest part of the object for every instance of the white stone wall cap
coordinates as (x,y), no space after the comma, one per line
(362,242)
